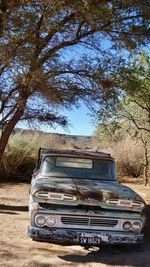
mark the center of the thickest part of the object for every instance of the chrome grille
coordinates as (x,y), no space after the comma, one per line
(103,222)
(86,221)
(75,220)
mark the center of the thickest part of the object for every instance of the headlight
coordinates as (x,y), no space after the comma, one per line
(137,226)
(127,226)
(51,221)
(40,221)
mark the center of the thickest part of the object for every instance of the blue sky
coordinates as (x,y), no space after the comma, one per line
(80,123)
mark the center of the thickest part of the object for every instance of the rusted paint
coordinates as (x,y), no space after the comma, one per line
(91,192)
(73,236)
(90,199)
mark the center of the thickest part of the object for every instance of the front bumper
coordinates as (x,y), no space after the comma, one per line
(74,236)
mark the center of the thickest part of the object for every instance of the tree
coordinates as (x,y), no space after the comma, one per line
(131,110)
(38,75)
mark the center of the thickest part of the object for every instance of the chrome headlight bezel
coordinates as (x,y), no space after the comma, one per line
(46,220)
(37,220)
(132,226)
(51,221)
(137,226)
(127,226)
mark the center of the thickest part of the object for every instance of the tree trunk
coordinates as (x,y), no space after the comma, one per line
(146,166)
(10,126)
(146,175)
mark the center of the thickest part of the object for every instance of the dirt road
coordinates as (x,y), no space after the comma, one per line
(18,250)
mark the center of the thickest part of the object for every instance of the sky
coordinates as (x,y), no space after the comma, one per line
(80,123)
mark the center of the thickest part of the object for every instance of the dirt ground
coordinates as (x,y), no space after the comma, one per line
(18,250)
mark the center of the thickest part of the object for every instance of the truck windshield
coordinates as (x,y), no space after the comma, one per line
(82,168)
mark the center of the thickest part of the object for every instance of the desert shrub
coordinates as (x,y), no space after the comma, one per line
(19,156)
(128,155)
(21,153)
(128,146)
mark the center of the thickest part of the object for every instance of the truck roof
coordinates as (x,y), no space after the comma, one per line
(74,153)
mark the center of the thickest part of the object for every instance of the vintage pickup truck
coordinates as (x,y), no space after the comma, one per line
(75,198)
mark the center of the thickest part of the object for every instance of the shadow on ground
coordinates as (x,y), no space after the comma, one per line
(4,182)
(4,207)
(8,212)
(124,256)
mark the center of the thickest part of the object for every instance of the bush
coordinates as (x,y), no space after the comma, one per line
(129,157)
(21,153)
(127,153)
(19,156)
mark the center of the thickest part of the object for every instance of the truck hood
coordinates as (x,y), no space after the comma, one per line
(106,194)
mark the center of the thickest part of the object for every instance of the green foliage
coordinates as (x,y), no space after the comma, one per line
(129,113)
(131,104)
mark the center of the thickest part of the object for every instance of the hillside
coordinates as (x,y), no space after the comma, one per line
(75,141)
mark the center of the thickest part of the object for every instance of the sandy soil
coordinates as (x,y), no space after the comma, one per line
(18,250)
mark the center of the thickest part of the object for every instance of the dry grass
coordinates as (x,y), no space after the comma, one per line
(20,155)
(128,154)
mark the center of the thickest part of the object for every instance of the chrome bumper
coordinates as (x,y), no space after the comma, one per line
(74,236)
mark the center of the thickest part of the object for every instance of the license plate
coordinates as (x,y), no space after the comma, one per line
(90,240)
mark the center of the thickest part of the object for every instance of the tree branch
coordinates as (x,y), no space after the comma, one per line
(130,117)
(139,104)
(11,111)
(54,30)
(53,50)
